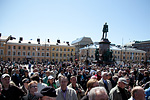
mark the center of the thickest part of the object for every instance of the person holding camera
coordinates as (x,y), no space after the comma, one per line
(77,87)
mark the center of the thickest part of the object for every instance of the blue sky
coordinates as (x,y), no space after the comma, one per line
(68,20)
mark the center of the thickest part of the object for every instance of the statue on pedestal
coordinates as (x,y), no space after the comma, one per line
(105,30)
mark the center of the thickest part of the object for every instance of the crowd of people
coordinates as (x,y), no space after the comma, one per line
(74,81)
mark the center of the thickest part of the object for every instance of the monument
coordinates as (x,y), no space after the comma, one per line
(105,55)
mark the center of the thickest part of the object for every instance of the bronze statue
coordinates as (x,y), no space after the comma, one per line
(105,30)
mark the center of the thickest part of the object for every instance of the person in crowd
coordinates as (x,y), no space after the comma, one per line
(111,80)
(58,81)
(2,97)
(140,76)
(45,79)
(32,89)
(104,82)
(119,92)
(145,79)
(26,75)
(64,92)
(90,84)
(24,87)
(77,87)
(120,73)
(98,75)
(10,91)
(132,79)
(16,77)
(115,79)
(47,93)
(51,82)
(40,85)
(137,93)
(146,85)
(98,93)
(69,74)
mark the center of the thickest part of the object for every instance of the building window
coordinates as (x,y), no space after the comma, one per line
(24,53)
(28,53)
(18,59)
(68,55)
(28,48)
(24,47)
(42,54)
(14,59)
(60,49)
(19,53)
(64,55)
(8,59)
(9,47)
(38,48)
(33,53)
(56,54)
(56,49)
(123,57)
(53,49)
(47,49)
(33,48)
(118,52)
(52,54)
(60,55)
(68,49)
(1,52)
(14,53)
(47,54)
(38,54)
(43,49)
(14,47)
(72,50)
(65,49)
(19,47)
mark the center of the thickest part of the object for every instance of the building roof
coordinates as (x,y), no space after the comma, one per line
(3,38)
(82,40)
(31,42)
(116,48)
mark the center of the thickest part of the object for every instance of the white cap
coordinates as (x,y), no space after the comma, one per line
(50,77)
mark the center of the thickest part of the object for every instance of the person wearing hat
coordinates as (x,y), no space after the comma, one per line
(26,75)
(24,87)
(11,92)
(51,82)
(47,93)
(119,92)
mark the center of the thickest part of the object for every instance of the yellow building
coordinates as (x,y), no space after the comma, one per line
(29,50)
(120,55)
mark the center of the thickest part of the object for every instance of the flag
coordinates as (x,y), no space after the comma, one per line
(30,39)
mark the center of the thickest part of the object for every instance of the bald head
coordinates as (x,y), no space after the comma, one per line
(138,93)
(98,93)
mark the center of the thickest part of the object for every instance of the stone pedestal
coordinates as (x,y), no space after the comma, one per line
(104,46)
